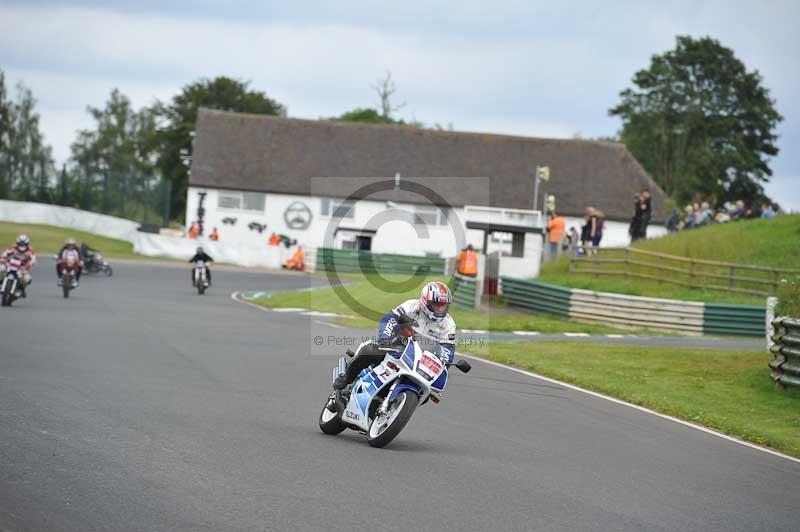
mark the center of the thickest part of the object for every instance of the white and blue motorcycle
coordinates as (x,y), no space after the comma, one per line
(383,398)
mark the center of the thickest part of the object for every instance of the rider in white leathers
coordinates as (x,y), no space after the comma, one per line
(430,312)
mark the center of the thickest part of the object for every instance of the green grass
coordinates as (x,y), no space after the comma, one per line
(764,242)
(47,239)
(727,390)
(497,318)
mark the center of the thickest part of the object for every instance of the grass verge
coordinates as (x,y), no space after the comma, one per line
(47,239)
(764,242)
(726,390)
(362,288)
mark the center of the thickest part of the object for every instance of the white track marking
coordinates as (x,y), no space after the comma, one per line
(289,309)
(526,333)
(615,336)
(573,335)
(474,331)
(637,407)
(235,297)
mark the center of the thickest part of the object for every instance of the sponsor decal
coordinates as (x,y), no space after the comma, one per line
(351,415)
(297,216)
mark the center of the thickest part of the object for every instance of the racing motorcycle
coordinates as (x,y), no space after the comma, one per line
(11,289)
(69,282)
(97,263)
(383,398)
(199,276)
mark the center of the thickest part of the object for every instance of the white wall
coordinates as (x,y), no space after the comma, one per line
(397,236)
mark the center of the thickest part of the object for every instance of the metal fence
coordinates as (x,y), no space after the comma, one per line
(693,273)
(619,310)
(343,260)
(785,363)
(466,292)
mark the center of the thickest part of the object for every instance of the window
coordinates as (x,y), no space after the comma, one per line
(427,215)
(338,208)
(242,201)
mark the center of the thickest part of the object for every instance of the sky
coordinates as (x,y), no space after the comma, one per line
(544,69)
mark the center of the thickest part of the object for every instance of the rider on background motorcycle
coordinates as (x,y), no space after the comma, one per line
(201,255)
(23,251)
(70,249)
(430,312)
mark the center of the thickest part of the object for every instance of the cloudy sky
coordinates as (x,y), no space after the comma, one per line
(548,69)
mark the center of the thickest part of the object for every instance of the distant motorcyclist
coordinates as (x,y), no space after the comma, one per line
(202,256)
(23,251)
(430,312)
(87,253)
(70,249)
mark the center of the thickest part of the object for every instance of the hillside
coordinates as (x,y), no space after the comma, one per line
(769,242)
(47,239)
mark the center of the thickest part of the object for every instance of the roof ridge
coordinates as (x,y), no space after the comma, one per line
(407,128)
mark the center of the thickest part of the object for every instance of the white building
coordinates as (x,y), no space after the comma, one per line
(379,188)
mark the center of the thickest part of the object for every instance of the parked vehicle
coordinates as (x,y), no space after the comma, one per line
(384,397)
(11,288)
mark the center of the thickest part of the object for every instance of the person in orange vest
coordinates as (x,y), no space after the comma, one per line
(296,261)
(214,234)
(274,239)
(556,228)
(194,231)
(468,262)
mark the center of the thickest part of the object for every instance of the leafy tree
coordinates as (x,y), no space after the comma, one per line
(700,123)
(179,117)
(26,162)
(366,116)
(114,161)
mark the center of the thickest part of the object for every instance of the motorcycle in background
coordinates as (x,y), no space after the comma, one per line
(199,276)
(383,398)
(97,263)
(11,289)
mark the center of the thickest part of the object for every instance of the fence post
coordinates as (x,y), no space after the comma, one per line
(691,275)
(730,276)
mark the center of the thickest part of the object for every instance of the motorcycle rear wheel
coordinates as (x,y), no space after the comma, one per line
(108,271)
(384,429)
(67,283)
(330,422)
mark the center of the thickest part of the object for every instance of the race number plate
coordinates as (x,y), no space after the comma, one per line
(430,366)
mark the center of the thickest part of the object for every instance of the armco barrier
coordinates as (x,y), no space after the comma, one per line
(342,260)
(688,317)
(785,363)
(747,320)
(465,292)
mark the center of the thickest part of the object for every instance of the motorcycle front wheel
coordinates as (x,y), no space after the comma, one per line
(386,427)
(108,271)
(67,283)
(329,421)
(7,295)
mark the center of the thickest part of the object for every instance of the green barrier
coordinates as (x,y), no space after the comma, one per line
(348,261)
(464,291)
(785,363)
(742,320)
(537,296)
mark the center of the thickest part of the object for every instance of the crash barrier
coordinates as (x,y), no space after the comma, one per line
(248,254)
(466,292)
(785,363)
(683,271)
(346,260)
(635,311)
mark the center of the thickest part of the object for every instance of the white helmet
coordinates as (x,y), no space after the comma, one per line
(23,242)
(435,300)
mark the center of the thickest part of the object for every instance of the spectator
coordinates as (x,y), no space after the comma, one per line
(296,261)
(766,211)
(194,231)
(572,239)
(739,212)
(722,217)
(643,209)
(673,222)
(274,239)
(589,230)
(556,228)
(704,216)
(468,261)
(214,235)
(688,223)
(599,225)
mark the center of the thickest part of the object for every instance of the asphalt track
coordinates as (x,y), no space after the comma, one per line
(139,405)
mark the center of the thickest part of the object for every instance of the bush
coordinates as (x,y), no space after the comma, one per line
(788,298)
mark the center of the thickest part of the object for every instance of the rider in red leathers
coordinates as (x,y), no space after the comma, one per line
(23,251)
(70,249)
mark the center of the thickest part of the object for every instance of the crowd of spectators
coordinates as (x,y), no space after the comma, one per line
(700,214)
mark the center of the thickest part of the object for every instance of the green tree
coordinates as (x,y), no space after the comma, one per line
(366,116)
(114,160)
(700,123)
(180,116)
(26,162)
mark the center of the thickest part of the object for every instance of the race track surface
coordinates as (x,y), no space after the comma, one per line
(137,405)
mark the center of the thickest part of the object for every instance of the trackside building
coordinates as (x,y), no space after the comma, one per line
(252,175)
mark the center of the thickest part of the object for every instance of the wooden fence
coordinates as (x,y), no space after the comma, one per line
(693,273)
